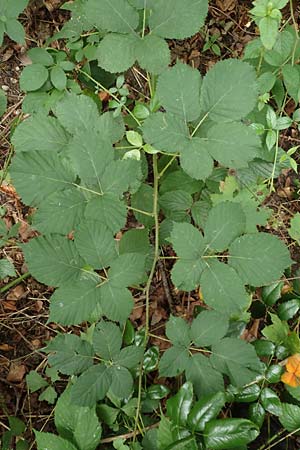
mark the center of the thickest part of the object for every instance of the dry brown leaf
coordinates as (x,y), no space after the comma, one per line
(16,373)
(16,293)
(6,347)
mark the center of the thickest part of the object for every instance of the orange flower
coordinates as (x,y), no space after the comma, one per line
(292,375)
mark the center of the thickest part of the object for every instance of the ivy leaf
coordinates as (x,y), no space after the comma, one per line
(115,53)
(165,131)
(178,331)
(74,303)
(259,258)
(174,361)
(195,159)
(177,19)
(70,354)
(47,174)
(185,82)
(91,386)
(225,142)
(237,359)
(208,328)
(225,222)
(229,91)
(107,340)
(48,440)
(41,133)
(152,53)
(223,289)
(33,77)
(112,15)
(205,378)
(61,212)
(61,261)
(95,243)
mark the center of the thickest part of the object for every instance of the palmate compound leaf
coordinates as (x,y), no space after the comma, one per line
(70,354)
(208,328)
(223,290)
(205,378)
(75,423)
(112,15)
(225,222)
(177,19)
(178,90)
(259,258)
(37,175)
(61,261)
(229,91)
(237,359)
(91,386)
(40,133)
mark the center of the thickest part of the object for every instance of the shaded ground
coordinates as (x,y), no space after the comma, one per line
(24,307)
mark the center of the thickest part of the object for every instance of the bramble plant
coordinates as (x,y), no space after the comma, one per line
(187,164)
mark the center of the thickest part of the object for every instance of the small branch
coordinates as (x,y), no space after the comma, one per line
(128,435)
(13,283)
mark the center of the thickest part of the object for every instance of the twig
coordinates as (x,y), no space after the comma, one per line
(128,435)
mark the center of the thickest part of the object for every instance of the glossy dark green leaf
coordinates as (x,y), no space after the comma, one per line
(290,417)
(270,401)
(157,391)
(264,348)
(257,414)
(248,394)
(229,433)
(188,443)
(289,309)
(272,293)
(274,373)
(151,359)
(204,410)
(179,406)
(128,336)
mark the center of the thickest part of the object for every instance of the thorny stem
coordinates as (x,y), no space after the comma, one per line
(108,92)
(149,282)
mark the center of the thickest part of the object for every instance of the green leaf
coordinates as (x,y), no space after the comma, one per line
(3,102)
(174,361)
(49,395)
(187,241)
(58,78)
(7,268)
(116,302)
(77,112)
(61,261)
(272,293)
(91,386)
(137,241)
(225,222)
(237,359)
(223,289)
(259,258)
(270,401)
(229,433)
(33,77)
(46,171)
(35,381)
(208,328)
(177,19)
(69,354)
(176,205)
(268,28)
(112,15)
(96,244)
(152,53)
(41,133)
(15,31)
(294,230)
(143,201)
(195,159)
(206,409)
(108,210)
(277,332)
(229,91)
(121,382)
(178,90)
(186,274)
(225,142)
(74,303)
(76,423)
(178,331)
(130,357)
(17,427)
(40,56)
(179,406)
(127,269)
(291,78)
(165,131)
(257,414)
(172,180)
(290,417)
(46,441)
(107,340)
(206,380)
(116,52)
(61,212)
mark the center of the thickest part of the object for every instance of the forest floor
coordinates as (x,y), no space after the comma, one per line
(24,306)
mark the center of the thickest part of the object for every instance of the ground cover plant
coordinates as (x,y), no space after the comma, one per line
(171,183)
